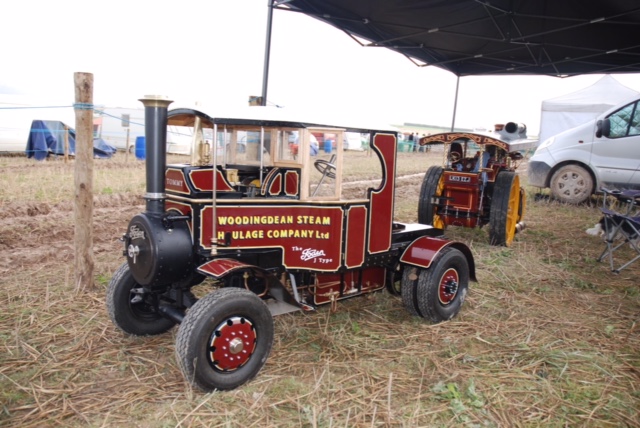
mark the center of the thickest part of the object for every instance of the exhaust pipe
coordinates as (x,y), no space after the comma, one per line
(520,226)
(155,130)
(515,128)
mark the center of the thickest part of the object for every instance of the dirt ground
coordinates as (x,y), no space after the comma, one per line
(35,233)
(548,336)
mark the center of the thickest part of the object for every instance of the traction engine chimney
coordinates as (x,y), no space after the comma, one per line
(155,129)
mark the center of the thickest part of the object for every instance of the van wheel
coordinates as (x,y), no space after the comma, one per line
(571,184)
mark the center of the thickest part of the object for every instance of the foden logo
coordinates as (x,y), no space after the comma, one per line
(135,233)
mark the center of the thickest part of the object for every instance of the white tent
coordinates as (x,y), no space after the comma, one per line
(568,111)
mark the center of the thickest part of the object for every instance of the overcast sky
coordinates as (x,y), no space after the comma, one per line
(212,52)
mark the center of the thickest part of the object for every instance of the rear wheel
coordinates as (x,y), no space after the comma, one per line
(506,209)
(442,288)
(408,289)
(225,339)
(571,184)
(522,206)
(131,308)
(432,187)
(394,282)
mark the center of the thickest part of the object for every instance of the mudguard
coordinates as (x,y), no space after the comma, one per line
(423,250)
(218,268)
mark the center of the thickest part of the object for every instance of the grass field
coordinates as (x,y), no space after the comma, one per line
(548,336)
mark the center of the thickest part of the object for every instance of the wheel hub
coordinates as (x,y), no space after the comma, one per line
(232,344)
(236,346)
(448,286)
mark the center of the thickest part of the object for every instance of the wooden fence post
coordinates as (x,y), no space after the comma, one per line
(83,181)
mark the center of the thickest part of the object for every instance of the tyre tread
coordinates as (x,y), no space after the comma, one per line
(427,190)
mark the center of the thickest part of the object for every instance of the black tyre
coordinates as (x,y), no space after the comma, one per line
(506,209)
(224,340)
(442,288)
(571,184)
(394,282)
(408,289)
(432,187)
(132,310)
(522,205)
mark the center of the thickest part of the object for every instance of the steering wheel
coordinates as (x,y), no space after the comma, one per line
(454,156)
(325,168)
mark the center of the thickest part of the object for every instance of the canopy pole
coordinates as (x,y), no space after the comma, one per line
(455,104)
(267,52)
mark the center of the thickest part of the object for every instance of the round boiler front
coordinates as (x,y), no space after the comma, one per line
(158,252)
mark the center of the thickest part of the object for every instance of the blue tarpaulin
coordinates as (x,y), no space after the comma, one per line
(48,137)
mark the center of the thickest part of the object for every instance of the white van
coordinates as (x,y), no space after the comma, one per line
(604,152)
(352,141)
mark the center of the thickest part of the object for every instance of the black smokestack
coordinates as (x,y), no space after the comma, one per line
(155,129)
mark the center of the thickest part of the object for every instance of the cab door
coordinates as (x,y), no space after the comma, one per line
(616,157)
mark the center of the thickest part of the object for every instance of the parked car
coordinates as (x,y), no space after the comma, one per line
(603,152)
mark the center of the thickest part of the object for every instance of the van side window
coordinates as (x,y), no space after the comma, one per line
(635,122)
(625,121)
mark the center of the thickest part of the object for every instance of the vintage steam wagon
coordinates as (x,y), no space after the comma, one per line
(477,183)
(267,225)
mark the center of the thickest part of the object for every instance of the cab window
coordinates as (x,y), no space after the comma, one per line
(625,122)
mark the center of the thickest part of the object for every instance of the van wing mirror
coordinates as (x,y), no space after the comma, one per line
(603,128)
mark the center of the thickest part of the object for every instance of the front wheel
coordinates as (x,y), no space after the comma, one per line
(571,184)
(131,308)
(225,339)
(507,208)
(441,289)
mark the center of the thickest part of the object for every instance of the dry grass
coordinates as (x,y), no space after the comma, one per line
(547,337)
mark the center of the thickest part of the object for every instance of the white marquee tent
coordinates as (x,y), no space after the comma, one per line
(570,110)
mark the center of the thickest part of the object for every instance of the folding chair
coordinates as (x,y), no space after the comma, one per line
(621,228)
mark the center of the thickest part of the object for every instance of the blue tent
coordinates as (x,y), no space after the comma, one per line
(48,137)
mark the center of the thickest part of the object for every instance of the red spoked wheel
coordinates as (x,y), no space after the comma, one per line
(448,289)
(225,339)
(441,289)
(232,344)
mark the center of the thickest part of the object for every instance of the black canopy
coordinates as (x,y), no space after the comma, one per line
(476,37)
